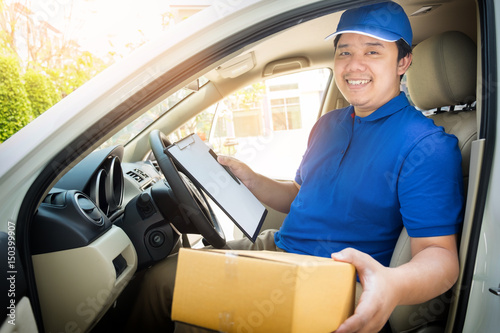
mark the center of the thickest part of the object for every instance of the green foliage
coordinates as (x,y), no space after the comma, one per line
(40,90)
(25,97)
(75,72)
(53,67)
(15,107)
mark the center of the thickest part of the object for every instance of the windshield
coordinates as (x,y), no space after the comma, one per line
(133,129)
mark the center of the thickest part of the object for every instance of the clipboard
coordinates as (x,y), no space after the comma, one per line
(199,163)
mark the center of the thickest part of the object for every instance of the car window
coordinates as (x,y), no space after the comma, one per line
(266,125)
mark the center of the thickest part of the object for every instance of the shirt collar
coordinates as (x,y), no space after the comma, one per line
(394,105)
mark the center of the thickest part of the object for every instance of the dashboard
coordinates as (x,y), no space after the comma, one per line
(89,199)
(102,222)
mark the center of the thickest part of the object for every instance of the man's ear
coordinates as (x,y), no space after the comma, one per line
(404,63)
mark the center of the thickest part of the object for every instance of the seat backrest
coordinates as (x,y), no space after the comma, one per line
(443,73)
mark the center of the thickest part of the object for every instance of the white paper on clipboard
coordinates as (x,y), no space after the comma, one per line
(199,162)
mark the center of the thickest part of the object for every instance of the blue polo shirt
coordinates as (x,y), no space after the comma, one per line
(362,179)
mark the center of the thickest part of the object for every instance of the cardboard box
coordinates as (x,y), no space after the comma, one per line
(262,291)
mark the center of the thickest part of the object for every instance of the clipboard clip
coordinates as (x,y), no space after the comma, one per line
(191,139)
(186,142)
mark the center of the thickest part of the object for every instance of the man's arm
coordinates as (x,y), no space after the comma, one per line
(275,194)
(432,270)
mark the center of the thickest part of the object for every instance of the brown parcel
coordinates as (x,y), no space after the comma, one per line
(262,291)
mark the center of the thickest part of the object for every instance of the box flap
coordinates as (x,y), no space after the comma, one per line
(284,257)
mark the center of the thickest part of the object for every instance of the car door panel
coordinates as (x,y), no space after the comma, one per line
(16,307)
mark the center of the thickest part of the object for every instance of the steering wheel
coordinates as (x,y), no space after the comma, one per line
(192,201)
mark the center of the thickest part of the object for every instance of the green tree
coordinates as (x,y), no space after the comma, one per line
(40,90)
(15,107)
(75,72)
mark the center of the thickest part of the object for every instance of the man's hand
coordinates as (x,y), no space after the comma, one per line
(275,194)
(378,299)
(432,270)
(239,169)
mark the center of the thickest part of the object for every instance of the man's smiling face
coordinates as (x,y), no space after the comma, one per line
(367,71)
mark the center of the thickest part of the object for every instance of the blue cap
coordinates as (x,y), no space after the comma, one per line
(386,21)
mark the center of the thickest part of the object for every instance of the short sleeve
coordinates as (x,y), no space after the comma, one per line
(298,179)
(430,187)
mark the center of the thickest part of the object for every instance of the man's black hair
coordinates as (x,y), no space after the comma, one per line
(403,48)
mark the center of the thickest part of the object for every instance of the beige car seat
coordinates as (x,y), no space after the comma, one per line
(443,74)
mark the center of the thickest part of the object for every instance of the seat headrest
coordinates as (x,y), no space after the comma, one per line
(443,72)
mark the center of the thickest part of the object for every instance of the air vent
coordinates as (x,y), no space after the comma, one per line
(89,209)
(56,199)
